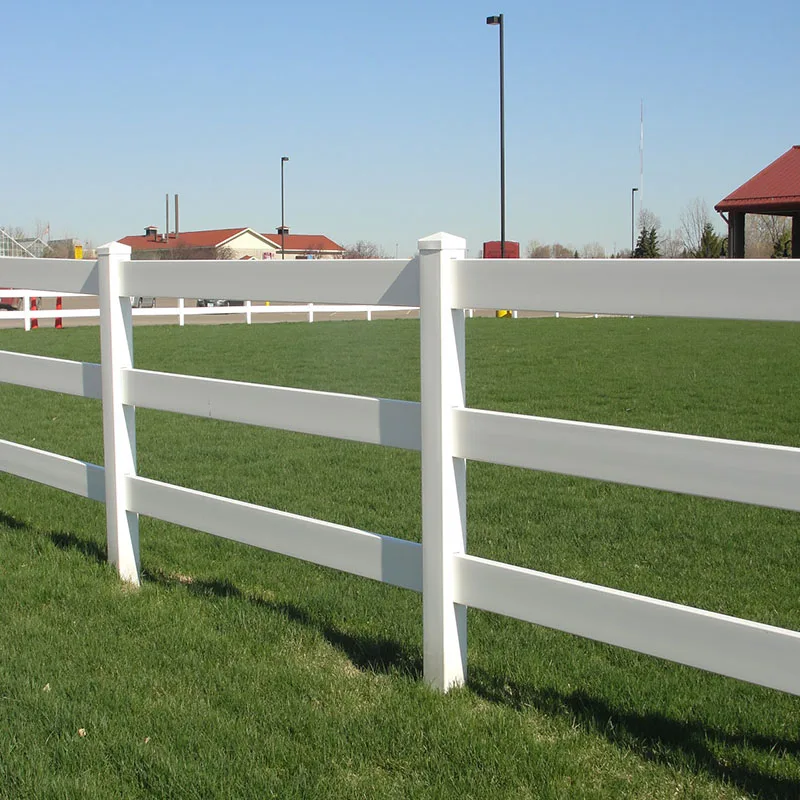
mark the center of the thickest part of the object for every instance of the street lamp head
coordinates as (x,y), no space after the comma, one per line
(284,158)
(635,189)
(494,20)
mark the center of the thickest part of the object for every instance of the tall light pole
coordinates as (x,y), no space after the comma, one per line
(633,218)
(498,20)
(284,159)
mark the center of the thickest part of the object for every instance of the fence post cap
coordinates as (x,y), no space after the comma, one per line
(114,248)
(441,241)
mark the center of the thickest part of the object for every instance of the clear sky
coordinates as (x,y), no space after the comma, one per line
(388,113)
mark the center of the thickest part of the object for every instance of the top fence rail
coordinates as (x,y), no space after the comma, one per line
(757,289)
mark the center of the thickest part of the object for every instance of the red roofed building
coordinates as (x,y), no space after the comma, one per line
(229,243)
(774,190)
(302,245)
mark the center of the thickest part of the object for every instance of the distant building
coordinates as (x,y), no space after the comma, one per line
(21,248)
(228,243)
(69,248)
(37,246)
(303,245)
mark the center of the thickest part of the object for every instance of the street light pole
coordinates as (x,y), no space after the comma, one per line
(284,159)
(633,217)
(498,20)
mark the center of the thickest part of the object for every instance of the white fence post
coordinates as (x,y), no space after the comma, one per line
(119,422)
(26,310)
(444,520)
(181,315)
(248,313)
(310,312)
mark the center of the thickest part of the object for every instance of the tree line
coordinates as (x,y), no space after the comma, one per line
(766,236)
(696,237)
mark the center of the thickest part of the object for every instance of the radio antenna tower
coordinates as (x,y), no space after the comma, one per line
(641,152)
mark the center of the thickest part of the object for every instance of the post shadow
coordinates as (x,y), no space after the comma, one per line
(650,735)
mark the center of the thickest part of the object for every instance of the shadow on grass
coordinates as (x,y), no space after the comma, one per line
(11,522)
(652,736)
(367,653)
(69,541)
(62,540)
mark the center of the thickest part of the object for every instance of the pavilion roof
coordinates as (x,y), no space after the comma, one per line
(774,190)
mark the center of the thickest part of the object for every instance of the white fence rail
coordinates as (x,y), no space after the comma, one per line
(308,310)
(442,283)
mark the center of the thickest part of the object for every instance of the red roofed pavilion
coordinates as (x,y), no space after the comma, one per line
(775,190)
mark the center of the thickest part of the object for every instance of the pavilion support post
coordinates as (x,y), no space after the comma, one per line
(736,234)
(795,235)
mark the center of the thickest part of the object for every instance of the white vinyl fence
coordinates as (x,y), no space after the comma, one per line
(308,310)
(442,283)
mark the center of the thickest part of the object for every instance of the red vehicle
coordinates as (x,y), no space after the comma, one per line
(10,303)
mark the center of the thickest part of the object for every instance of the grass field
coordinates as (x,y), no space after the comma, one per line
(237,673)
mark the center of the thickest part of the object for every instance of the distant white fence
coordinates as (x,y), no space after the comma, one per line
(442,283)
(181,311)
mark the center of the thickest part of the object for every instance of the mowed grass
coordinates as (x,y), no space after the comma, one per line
(237,673)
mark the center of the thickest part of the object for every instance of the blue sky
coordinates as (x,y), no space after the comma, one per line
(389,114)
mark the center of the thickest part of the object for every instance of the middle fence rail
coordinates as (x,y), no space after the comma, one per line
(442,283)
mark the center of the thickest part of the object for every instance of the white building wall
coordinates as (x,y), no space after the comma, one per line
(247,244)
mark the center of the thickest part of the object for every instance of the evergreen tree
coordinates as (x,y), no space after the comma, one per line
(711,245)
(641,245)
(647,244)
(652,244)
(783,245)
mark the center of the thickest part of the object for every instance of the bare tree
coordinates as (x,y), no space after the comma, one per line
(671,244)
(557,250)
(63,248)
(593,250)
(648,220)
(15,232)
(763,232)
(771,227)
(694,219)
(560,251)
(364,249)
(183,251)
(536,249)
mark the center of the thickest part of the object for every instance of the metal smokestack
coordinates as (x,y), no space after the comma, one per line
(166,229)
(176,216)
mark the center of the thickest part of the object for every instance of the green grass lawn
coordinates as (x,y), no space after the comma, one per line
(233,672)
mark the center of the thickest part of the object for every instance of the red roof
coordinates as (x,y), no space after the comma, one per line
(184,239)
(305,243)
(295,242)
(775,189)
